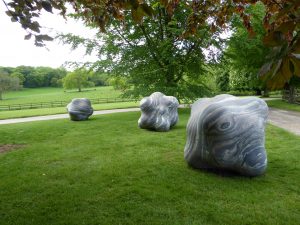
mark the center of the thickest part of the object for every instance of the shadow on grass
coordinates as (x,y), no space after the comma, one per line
(220,172)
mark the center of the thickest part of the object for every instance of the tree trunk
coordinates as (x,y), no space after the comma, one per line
(292,94)
(79,89)
(266,92)
(258,92)
(0,95)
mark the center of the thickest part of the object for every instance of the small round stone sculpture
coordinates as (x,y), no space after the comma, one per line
(159,112)
(228,132)
(80,109)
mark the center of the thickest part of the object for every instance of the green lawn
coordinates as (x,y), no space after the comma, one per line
(33,95)
(108,171)
(280,104)
(61,110)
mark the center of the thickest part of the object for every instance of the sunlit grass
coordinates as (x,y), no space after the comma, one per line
(108,171)
(34,95)
(280,104)
(61,110)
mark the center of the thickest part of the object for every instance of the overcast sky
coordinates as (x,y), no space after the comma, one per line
(15,51)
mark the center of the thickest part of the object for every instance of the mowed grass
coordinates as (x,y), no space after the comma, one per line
(108,171)
(34,95)
(280,104)
(61,110)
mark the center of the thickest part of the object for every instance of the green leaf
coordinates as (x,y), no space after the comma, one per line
(296,66)
(276,68)
(147,9)
(47,38)
(43,37)
(27,37)
(9,13)
(137,14)
(14,19)
(134,4)
(35,26)
(47,6)
(286,69)
(275,38)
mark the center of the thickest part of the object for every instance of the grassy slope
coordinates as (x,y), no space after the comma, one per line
(61,110)
(280,104)
(33,95)
(107,171)
(57,94)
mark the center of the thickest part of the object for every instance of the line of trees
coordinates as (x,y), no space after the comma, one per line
(34,77)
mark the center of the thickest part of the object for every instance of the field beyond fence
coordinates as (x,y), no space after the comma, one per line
(53,104)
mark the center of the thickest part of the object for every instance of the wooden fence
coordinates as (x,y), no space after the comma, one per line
(39,105)
(295,98)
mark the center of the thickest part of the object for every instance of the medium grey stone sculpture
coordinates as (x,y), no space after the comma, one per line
(80,109)
(227,132)
(159,112)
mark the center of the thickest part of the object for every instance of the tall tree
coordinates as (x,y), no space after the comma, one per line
(245,55)
(152,55)
(8,83)
(77,79)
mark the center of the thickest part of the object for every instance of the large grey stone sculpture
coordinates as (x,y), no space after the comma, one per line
(227,132)
(159,112)
(80,109)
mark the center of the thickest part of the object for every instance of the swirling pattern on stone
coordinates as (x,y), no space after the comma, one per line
(159,112)
(227,132)
(80,109)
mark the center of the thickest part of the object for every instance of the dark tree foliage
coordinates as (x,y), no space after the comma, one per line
(281,20)
(245,55)
(222,81)
(32,77)
(8,83)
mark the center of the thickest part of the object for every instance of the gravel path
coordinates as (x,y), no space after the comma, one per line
(287,120)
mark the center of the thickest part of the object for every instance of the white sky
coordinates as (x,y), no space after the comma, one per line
(15,51)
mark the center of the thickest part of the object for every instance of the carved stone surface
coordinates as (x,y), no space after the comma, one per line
(159,112)
(80,109)
(227,132)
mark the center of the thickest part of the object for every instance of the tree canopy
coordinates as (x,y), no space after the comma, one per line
(32,77)
(281,21)
(8,83)
(77,79)
(152,56)
(244,55)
